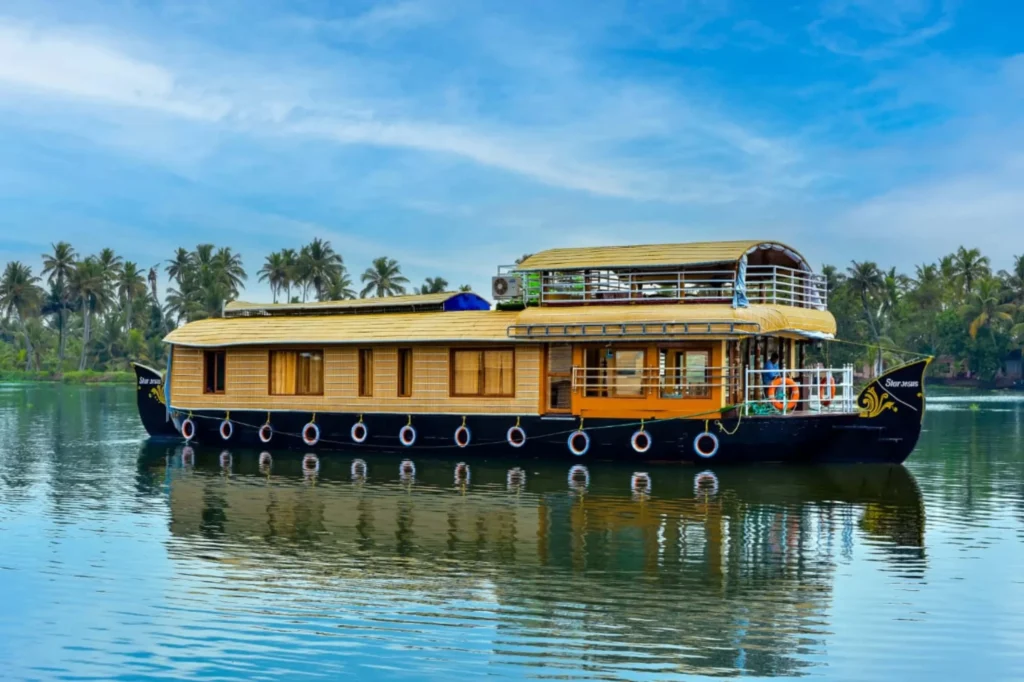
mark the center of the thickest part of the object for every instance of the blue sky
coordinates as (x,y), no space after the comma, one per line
(457,135)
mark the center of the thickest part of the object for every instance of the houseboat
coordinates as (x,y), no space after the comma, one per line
(681,352)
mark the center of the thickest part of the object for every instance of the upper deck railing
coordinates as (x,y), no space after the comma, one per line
(764,284)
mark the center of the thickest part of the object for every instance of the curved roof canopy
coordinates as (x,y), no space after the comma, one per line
(650,321)
(758,252)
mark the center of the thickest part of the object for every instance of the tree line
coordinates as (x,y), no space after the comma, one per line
(100,312)
(956,309)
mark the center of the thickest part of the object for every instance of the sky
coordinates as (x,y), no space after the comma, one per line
(457,135)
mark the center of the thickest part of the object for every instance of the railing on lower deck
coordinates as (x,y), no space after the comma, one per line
(820,390)
(668,383)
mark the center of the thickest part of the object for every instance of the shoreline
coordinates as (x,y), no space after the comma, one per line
(74,377)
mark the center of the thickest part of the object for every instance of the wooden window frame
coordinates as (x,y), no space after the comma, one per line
(206,376)
(361,372)
(482,372)
(615,349)
(682,350)
(296,394)
(400,372)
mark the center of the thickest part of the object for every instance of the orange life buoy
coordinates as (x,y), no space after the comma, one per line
(780,403)
(826,390)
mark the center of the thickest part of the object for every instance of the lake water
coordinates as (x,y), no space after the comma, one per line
(125,560)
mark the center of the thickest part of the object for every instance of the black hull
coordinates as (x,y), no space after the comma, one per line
(149,390)
(885,431)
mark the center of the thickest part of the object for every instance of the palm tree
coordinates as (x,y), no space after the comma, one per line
(55,304)
(340,287)
(951,281)
(111,264)
(179,265)
(928,287)
(57,268)
(970,267)
(130,285)
(274,272)
(383,278)
(300,273)
(38,340)
(229,270)
(20,295)
(894,286)
(465,288)
(985,310)
(179,306)
(291,263)
(1017,331)
(1014,280)
(866,280)
(207,278)
(90,288)
(320,265)
(434,285)
(833,278)
(111,340)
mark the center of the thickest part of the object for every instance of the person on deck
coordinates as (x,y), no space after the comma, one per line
(771,368)
(771,372)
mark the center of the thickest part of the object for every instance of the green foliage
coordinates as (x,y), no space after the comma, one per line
(434,285)
(73,377)
(954,308)
(316,269)
(99,309)
(383,278)
(99,313)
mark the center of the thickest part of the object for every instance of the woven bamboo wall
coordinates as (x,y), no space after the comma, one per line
(247,383)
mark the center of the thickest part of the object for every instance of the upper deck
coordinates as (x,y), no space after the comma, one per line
(738,273)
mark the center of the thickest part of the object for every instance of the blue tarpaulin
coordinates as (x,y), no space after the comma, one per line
(466,301)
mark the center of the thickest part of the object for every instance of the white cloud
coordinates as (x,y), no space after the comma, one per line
(61,64)
(650,157)
(553,150)
(879,29)
(928,220)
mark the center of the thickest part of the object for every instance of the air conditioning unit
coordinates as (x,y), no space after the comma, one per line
(505,287)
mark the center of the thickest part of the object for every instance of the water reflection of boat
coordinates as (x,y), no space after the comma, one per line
(888,494)
(741,570)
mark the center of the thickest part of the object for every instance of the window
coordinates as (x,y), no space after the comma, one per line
(365,372)
(214,371)
(483,373)
(404,372)
(685,373)
(296,372)
(618,373)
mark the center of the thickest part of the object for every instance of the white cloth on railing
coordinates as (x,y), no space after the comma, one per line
(739,293)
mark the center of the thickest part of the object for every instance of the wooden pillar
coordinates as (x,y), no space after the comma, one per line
(743,388)
(764,363)
(805,390)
